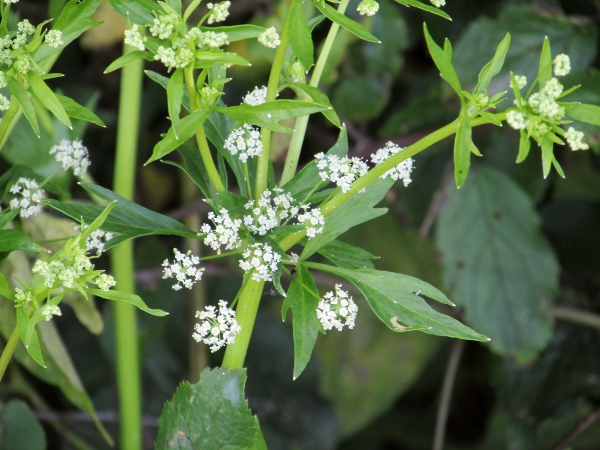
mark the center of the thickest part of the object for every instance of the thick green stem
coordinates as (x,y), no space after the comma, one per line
(293,155)
(262,168)
(8,351)
(122,261)
(245,315)
(207,159)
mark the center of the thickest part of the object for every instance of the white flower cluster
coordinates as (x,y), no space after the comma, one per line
(257,97)
(30,196)
(73,155)
(216,329)
(521,81)
(562,65)
(313,221)
(67,272)
(210,39)
(177,58)
(269,38)
(97,240)
(184,269)
(544,102)
(226,231)
(517,120)
(50,310)
(8,2)
(54,38)
(218,11)
(402,171)
(262,260)
(438,3)
(269,211)
(23,298)
(164,25)
(337,310)
(105,282)
(575,139)
(368,7)
(134,37)
(244,140)
(342,171)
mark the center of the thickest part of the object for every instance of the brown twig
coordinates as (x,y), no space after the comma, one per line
(574,433)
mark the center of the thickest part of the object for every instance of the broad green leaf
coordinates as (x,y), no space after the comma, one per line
(187,128)
(347,256)
(302,298)
(300,37)
(75,18)
(20,429)
(24,100)
(497,262)
(210,414)
(545,68)
(125,59)
(127,218)
(77,111)
(443,63)
(11,240)
(493,68)
(207,59)
(345,22)
(33,346)
(585,113)
(359,209)
(396,300)
(135,300)
(238,32)
(45,95)
(35,318)
(462,151)
(424,7)
(174,99)
(138,11)
(269,114)
(317,96)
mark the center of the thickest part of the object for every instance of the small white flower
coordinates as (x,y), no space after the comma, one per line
(516,120)
(402,171)
(134,37)
(24,298)
(25,27)
(575,139)
(4,103)
(269,211)
(269,38)
(313,221)
(262,260)
(54,38)
(216,329)
(212,39)
(30,193)
(521,81)
(368,7)
(97,240)
(226,231)
(184,269)
(164,26)
(438,3)
(245,141)
(8,2)
(342,171)
(73,155)
(544,102)
(337,310)
(3,80)
(105,282)
(22,64)
(167,56)
(50,310)
(257,97)
(562,65)
(218,11)
(68,270)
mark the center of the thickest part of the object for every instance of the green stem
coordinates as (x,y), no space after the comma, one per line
(245,315)
(262,169)
(122,260)
(8,121)
(8,351)
(207,159)
(293,155)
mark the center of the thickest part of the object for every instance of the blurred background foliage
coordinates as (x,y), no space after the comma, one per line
(517,253)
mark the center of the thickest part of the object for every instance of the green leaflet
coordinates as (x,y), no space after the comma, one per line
(20,428)
(11,240)
(462,150)
(424,7)
(135,300)
(497,262)
(300,37)
(211,414)
(77,111)
(24,99)
(585,113)
(175,98)
(493,68)
(125,59)
(443,61)
(345,22)
(317,96)
(45,95)
(347,256)
(138,11)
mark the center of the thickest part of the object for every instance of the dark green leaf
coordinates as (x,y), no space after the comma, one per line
(77,111)
(493,68)
(11,240)
(194,168)
(45,95)
(24,100)
(210,414)
(20,429)
(135,300)
(497,262)
(443,63)
(343,21)
(462,151)
(269,114)
(138,11)
(124,60)
(347,256)
(424,7)
(302,298)
(300,37)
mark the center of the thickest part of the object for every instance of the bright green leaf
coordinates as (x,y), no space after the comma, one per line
(45,95)
(24,99)
(33,346)
(11,240)
(317,96)
(585,113)
(77,111)
(524,146)
(443,63)
(174,99)
(545,68)
(462,151)
(347,256)
(343,21)
(138,11)
(300,37)
(207,59)
(493,68)
(124,60)
(547,155)
(135,300)
(424,7)
(238,32)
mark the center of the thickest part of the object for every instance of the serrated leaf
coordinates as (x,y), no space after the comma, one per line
(125,59)
(45,95)
(357,210)
(319,97)
(24,100)
(77,111)
(497,262)
(443,63)
(187,128)
(493,68)
(424,7)
(135,300)
(300,37)
(210,414)
(353,27)
(269,114)
(347,256)
(302,298)
(11,240)
(395,299)
(462,151)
